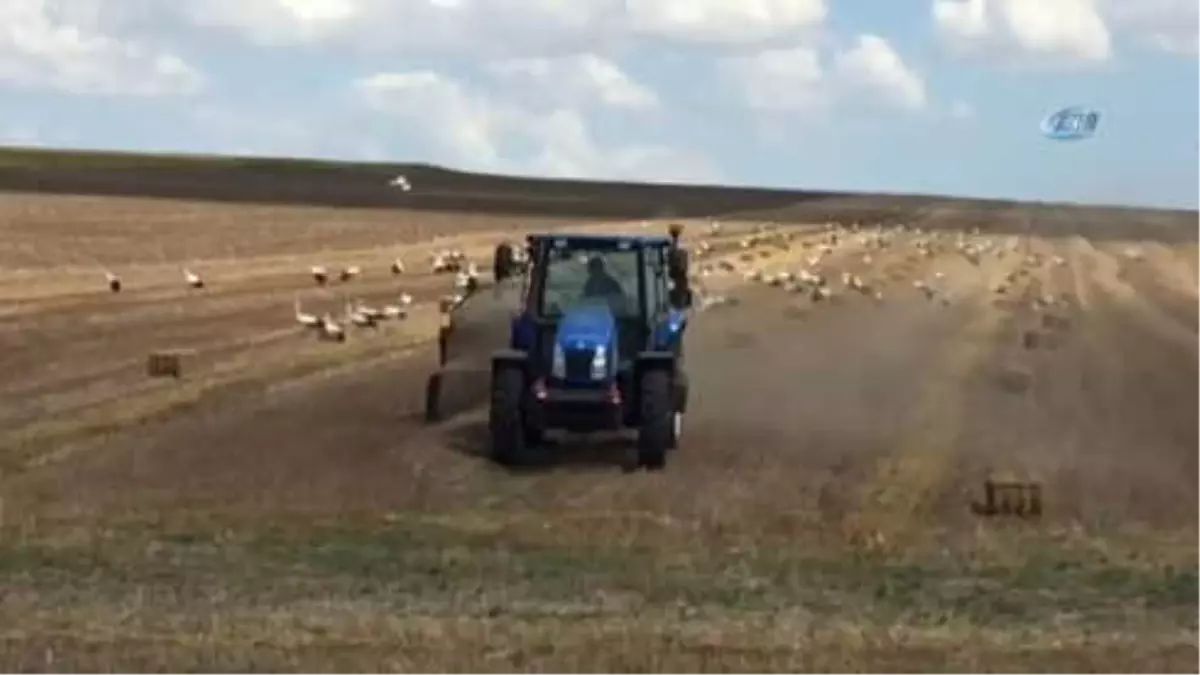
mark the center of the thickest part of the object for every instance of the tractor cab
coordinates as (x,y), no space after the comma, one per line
(601,314)
(581,287)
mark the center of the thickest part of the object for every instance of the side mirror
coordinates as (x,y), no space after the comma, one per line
(680,295)
(677,265)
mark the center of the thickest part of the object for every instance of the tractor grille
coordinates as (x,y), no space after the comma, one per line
(579,364)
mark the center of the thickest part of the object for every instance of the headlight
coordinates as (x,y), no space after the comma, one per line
(558,367)
(600,364)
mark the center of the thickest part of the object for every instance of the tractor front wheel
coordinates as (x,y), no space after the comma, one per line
(656,435)
(505,420)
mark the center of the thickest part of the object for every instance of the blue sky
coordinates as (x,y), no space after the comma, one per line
(938,96)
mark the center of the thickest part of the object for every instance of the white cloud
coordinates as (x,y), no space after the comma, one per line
(1078,31)
(1058,32)
(498,27)
(477,131)
(504,27)
(961,19)
(722,21)
(586,78)
(567,148)
(44,46)
(467,126)
(1066,27)
(1170,25)
(778,80)
(275,22)
(874,65)
(793,79)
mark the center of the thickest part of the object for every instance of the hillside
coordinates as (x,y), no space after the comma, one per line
(326,183)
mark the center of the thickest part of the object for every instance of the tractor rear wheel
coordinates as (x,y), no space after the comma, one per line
(505,423)
(656,435)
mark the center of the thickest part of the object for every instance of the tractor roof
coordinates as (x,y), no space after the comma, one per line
(603,240)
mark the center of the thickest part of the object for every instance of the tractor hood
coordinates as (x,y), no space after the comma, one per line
(586,327)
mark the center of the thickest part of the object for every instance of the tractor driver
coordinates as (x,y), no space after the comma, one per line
(600,283)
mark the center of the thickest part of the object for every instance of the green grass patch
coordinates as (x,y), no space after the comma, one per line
(415,558)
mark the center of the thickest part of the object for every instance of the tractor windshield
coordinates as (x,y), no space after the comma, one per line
(576,276)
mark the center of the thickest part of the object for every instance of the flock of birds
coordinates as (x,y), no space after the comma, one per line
(813,280)
(753,261)
(361,315)
(356,312)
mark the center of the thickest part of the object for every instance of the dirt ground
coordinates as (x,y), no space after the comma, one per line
(282,507)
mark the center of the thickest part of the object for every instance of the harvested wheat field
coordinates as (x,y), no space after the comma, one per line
(282,506)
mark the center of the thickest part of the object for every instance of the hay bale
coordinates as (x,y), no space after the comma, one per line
(1014,379)
(166,363)
(1055,322)
(795,312)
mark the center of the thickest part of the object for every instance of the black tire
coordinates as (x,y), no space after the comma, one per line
(433,398)
(656,435)
(533,436)
(506,425)
(502,262)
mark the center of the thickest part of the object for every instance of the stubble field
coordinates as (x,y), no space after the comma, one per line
(282,506)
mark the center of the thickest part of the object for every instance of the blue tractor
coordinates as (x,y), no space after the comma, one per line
(597,347)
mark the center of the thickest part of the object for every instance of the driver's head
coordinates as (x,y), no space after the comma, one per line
(595,266)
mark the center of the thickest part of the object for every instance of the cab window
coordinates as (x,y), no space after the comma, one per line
(577,276)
